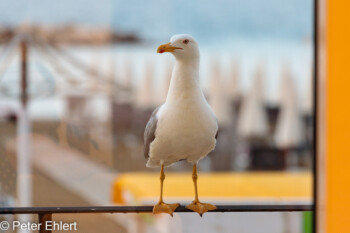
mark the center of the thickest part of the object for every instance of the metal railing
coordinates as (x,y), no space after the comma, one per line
(45,213)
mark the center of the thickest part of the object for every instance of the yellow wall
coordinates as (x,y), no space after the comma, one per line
(253,186)
(338,116)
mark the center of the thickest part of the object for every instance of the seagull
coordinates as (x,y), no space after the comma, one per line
(185,126)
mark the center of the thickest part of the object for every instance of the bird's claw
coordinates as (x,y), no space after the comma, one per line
(200,208)
(162,207)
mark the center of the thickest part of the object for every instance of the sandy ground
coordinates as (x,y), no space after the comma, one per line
(48,192)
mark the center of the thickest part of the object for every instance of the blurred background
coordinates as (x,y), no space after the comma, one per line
(72,133)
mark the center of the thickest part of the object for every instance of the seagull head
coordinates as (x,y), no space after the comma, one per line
(182,46)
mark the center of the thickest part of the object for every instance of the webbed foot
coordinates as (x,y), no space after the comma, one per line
(162,207)
(200,208)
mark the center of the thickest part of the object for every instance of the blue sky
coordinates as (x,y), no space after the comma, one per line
(286,19)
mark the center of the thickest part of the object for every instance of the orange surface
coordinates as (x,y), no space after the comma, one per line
(277,186)
(338,116)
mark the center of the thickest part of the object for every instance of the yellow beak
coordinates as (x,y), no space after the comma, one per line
(166,48)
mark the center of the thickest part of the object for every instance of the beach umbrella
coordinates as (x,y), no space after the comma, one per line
(165,79)
(218,98)
(144,96)
(94,73)
(252,120)
(232,81)
(111,75)
(128,75)
(288,130)
(307,103)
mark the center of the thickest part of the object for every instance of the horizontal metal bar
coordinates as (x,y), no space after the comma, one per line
(148,209)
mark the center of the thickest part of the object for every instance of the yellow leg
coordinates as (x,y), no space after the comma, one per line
(162,207)
(196,205)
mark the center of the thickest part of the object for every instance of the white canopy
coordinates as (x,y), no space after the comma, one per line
(232,82)
(288,131)
(144,96)
(252,121)
(218,98)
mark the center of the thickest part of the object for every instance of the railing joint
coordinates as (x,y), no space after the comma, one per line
(43,219)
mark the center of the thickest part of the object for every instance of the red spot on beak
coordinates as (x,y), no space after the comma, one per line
(161,51)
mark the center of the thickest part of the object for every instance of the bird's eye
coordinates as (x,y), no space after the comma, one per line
(185,41)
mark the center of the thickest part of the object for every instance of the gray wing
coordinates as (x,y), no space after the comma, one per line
(149,134)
